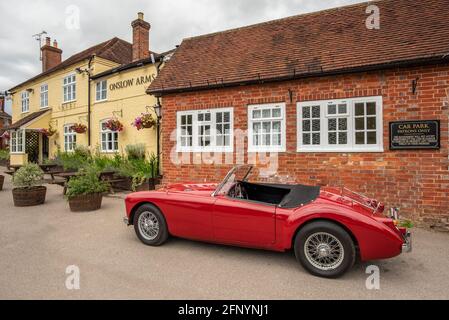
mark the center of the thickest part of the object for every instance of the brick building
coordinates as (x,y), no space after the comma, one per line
(323,92)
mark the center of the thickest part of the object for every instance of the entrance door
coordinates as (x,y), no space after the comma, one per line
(32,146)
(45,147)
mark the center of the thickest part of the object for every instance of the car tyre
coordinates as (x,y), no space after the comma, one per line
(150,225)
(325,249)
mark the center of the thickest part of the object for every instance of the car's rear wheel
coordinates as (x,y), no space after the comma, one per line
(325,249)
(150,225)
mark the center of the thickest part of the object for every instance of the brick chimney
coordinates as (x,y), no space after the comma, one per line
(51,55)
(141,38)
(2,103)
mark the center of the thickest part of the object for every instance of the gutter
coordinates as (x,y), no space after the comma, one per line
(407,63)
(89,89)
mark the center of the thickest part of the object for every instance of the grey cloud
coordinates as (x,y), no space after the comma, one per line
(171,20)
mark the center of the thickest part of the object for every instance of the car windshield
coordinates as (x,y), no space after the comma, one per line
(239,173)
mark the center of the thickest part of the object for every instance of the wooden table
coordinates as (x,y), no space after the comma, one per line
(66,176)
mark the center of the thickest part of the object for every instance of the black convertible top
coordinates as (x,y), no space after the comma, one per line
(300,195)
(291,196)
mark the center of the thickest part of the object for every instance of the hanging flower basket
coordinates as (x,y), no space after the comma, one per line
(79,128)
(145,121)
(6,135)
(114,125)
(50,132)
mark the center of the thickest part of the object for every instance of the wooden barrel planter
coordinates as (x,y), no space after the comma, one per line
(2,180)
(86,203)
(28,197)
(148,185)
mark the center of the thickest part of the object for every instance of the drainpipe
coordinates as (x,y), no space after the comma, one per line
(88,101)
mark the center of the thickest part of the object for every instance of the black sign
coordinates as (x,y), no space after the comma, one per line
(411,135)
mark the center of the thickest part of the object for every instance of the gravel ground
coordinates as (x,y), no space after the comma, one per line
(37,244)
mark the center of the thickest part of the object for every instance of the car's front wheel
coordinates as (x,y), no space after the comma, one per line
(325,249)
(150,225)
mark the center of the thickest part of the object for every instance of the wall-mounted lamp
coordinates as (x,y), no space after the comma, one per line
(30,90)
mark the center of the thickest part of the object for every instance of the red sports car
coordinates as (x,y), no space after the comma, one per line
(328,228)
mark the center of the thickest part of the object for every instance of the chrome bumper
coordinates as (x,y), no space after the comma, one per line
(407,246)
(126,221)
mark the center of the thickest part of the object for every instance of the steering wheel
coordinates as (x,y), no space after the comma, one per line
(240,192)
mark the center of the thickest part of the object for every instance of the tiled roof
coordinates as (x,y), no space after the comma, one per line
(326,42)
(115,49)
(4,115)
(26,120)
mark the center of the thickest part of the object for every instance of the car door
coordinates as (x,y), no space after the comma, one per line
(244,222)
(189,215)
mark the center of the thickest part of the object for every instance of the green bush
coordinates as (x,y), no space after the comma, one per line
(28,176)
(4,154)
(136,151)
(139,170)
(73,161)
(88,182)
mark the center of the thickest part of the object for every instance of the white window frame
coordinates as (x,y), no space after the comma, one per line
(17,142)
(351,147)
(25,101)
(275,149)
(44,96)
(108,133)
(69,138)
(213,131)
(101,88)
(69,82)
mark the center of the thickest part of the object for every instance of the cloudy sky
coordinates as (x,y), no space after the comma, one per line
(79,24)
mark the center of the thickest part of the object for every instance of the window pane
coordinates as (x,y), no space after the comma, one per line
(257,127)
(360,123)
(371,123)
(332,138)
(227,128)
(256,141)
(306,125)
(266,113)
(227,141)
(306,112)
(360,137)
(316,138)
(306,138)
(332,124)
(257,114)
(219,117)
(316,112)
(220,141)
(371,108)
(277,126)
(359,109)
(276,139)
(343,124)
(267,127)
(227,117)
(342,109)
(372,137)
(343,138)
(316,125)
(276,113)
(332,109)
(267,140)
(201,117)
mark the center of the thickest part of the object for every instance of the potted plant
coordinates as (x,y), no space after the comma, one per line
(79,128)
(114,125)
(145,121)
(28,190)
(141,172)
(50,132)
(85,192)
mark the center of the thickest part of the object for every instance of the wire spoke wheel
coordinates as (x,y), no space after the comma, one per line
(324,251)
(148,225)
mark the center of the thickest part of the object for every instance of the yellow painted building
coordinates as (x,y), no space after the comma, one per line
(117,73)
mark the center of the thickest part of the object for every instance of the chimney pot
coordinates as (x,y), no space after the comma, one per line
(55,43)
(47,41)
(140,15)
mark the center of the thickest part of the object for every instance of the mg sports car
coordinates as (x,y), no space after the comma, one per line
(328,228)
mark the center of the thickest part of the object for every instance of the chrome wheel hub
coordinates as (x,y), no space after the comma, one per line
(324,251)
(148,226)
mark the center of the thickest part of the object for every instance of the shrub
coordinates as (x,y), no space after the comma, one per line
(139,170)
(4,154)
(88,182)
(28,176)
(136,151)
(73,161)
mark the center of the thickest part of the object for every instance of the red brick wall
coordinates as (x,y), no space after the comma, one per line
(417,181)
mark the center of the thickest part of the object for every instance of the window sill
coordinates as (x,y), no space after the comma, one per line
(267,150)
(67,102)
(101,101)
(342,150)
(205,151)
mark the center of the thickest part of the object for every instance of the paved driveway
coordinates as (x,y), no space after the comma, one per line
(37,244)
